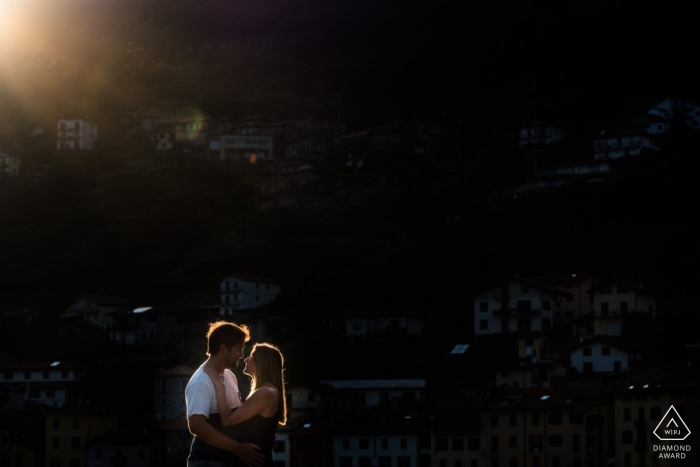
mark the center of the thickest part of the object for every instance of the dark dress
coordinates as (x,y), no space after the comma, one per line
(258,430)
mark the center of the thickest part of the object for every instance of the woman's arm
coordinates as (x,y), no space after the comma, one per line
(258,401)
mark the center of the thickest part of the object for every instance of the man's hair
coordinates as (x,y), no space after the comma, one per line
(269,368)
(225,333)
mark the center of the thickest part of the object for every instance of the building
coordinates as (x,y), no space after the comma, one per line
(119,448)
(252,148)
(639,409)
(309,444)
(309,144)
(169,393)
(9,164)
(589,171)
(578,302)
(601,355)
(171,443)
(615,300)
(76,134)
(617,145)
(379,323)
(539,134)
(304,400)
(69,429)
(242,292)
(47,383)
(146,325)
(94,309)
(524,428)
(380,438)
(367,394)
(21,438)
(670,108)
(516,305)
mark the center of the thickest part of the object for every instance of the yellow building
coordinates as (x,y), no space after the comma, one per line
(67,431)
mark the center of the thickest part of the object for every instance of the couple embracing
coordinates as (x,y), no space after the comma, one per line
(227,431)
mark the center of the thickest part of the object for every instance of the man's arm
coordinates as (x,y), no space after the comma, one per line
(247,452)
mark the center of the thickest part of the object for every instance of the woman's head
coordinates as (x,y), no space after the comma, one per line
(266,366)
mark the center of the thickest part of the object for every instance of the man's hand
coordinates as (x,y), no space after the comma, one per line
(249,453)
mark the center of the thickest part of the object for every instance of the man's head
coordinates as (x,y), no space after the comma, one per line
(226,341)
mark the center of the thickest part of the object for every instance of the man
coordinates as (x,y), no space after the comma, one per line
(211,446)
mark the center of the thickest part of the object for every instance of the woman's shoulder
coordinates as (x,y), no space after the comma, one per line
(267,391)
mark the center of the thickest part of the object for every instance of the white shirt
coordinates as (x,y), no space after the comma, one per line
(200,393)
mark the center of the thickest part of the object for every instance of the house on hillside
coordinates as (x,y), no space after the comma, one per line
(601,355)
(539,134)
(146,325)
(516,305)
(9,163)
(579,302)
(94,309)
(306,144)
(76,134)
(284,184)
(48,383)
(614,300)
(241,292)
(670,108)
(596,171)
(378,324)
(366,394)
(628,143)
(252,148)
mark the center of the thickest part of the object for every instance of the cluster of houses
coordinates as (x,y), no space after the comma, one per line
(646,134)
(549,376)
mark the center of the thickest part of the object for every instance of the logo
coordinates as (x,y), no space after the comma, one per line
(672,427)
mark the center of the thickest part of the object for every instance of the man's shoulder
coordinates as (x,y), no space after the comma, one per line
(199,377)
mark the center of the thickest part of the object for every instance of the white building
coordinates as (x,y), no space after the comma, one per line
(77,134)
(617,145)
(516,305)
(9,164)
(601,356)
(44,382)
(539,134)
(243,292)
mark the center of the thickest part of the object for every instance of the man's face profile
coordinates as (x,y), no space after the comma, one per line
(234,354)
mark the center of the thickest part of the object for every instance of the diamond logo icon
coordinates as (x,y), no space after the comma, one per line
(672,427)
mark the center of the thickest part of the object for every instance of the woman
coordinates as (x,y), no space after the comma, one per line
(257,419)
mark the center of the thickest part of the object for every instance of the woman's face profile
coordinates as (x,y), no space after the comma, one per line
(249,365)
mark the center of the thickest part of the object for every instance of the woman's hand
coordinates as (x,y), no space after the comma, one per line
(214,376)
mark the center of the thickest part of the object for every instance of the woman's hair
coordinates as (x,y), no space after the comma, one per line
(269,368)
